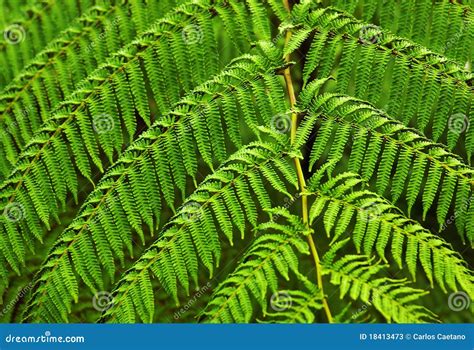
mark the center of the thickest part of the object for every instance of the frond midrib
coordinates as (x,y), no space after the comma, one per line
(50,61)
(466,76)
(116,183)
(77,108)
(443,247)
(373,289)
(182,227)
(243,283)
(464,175)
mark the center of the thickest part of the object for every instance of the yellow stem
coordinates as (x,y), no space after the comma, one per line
(299,171)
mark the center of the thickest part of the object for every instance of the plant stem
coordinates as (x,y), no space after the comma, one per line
(299,171)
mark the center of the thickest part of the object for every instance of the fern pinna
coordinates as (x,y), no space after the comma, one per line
(264,161)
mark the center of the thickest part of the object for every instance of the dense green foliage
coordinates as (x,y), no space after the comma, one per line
(236,161)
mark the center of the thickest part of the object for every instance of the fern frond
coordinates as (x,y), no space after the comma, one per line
(218,199)
(143,144)
(415,74)
(12,10)
(443,26)
(30,98)
(92,125)
(278,8)
(29,33)
(395,156)
(339,23)
(360,315)
(273,252)
(299,306)
(358,277)
(153,167)
(343,200)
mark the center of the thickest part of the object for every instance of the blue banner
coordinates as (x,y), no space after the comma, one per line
(226,337)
